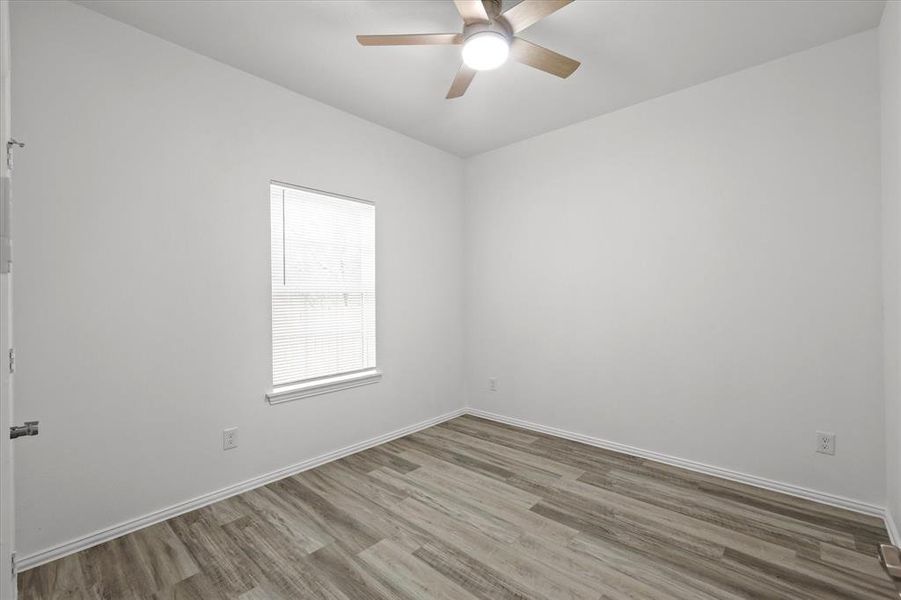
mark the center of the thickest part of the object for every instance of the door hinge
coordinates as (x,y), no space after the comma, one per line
(12,563)
(12,360)
(10,144)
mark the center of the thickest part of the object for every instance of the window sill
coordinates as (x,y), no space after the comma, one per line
(322,386)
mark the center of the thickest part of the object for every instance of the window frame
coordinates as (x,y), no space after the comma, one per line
(326,383)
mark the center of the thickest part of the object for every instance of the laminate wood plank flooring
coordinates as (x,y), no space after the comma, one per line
(472,509)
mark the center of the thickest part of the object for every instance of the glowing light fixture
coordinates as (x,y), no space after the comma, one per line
(485,50)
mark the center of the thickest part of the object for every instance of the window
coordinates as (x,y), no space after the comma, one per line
(323,292)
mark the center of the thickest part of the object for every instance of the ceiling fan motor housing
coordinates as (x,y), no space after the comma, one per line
(496,25)
(493,7)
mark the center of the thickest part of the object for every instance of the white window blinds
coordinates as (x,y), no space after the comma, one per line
(323,285)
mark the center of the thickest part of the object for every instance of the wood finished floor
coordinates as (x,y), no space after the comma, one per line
(474,509)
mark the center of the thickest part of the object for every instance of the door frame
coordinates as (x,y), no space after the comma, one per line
(7,496)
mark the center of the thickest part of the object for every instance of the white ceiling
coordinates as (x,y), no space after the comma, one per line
(630,51)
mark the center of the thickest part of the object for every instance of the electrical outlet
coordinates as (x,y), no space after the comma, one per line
(825,442)
(229,438)
(492,384)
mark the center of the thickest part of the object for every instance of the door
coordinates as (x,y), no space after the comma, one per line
(7,514)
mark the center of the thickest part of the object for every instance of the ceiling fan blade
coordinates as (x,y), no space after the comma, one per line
(472,11)
(542,59)
(529,12)
(461,82)
(421,39)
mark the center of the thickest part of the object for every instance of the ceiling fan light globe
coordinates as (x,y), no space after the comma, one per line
(485,51)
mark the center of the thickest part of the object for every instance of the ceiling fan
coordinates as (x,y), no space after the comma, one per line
(489,38)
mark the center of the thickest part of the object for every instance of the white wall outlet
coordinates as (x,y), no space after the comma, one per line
(229,438)
(492,384)
(825,442)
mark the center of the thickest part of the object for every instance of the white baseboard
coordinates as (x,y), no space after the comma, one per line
(892,528)
(38,558)
(761,482)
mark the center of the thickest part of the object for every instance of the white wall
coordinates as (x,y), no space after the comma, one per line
(890,71)
(697,275)
(142,266)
